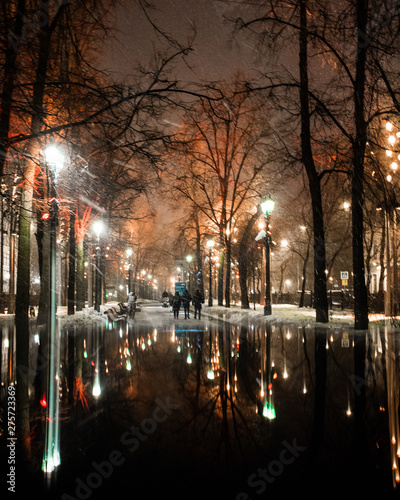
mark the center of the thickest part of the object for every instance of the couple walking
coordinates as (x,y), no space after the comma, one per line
(185,300)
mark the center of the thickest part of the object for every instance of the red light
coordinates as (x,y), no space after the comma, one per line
(269,387)
(43,401)
(92,363)
(46,216)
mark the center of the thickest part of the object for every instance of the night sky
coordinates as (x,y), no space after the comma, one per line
(217,53)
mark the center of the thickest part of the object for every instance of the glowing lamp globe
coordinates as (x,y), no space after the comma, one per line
(267,206)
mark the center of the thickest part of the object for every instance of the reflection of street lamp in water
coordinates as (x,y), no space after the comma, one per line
(51,455)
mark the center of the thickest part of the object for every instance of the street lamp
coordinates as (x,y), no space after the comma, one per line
(129,253)
(189,259)
(98,227)
(210,244)
(267,207)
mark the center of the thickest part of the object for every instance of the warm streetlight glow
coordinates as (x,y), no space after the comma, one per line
(393,166)
(189,258)
(129,252)
(98,227)
(54,157)
(346,205)
(389,126)
(210,243)
(267,206)
(392,139)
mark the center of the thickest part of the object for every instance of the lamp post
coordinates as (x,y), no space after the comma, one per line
(210,244)
(267,207)
(98,227)
(189,259)
(129,253)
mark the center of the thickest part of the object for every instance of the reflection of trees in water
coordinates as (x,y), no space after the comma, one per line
(217,421)
(220,378)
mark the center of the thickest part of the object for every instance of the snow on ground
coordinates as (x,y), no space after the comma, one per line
(153,311)
(281,313)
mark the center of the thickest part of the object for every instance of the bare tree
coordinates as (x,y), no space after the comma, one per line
(225,154)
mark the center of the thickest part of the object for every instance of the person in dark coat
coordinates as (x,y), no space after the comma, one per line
(186,298)
(197,301)
(176,304)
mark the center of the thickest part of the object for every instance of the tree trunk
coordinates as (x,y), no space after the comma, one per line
(303,284)
(320,294)
(80,276)
(221,271)
(228,259)
(244,249)
(357,186)
(21,314)
(199,281)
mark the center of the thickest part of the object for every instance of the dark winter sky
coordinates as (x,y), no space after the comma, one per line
(217,53)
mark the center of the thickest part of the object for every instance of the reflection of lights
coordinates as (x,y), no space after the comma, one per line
(269,411)
(210,375)
(52,462)
(189,359)
(96,386)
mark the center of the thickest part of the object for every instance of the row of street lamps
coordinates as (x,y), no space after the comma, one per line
(55,159)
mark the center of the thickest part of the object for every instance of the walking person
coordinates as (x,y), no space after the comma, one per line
(186,298)
(197,301)
(176,304)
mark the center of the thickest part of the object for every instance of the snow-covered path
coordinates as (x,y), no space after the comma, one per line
(153,312)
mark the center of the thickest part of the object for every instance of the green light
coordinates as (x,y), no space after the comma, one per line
(210,375)
(269,411)
(189,359)
(267,206)
(128,365)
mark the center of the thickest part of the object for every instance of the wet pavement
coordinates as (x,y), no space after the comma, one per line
(209,409)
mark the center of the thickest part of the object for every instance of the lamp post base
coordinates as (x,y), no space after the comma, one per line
(210,302)
(267,310)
